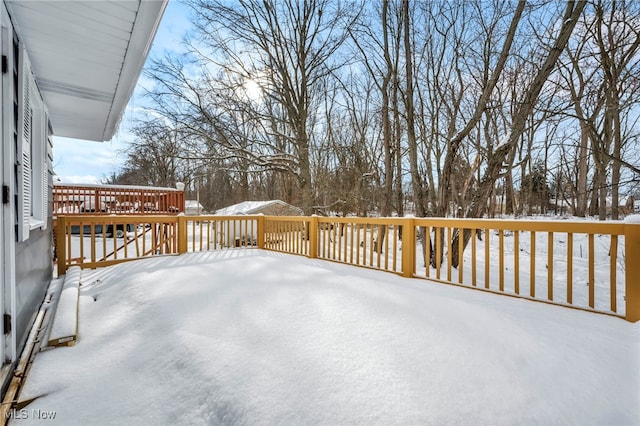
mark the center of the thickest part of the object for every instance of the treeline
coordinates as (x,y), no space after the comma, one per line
(465,108)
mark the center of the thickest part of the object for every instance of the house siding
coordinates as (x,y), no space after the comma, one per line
(28,253)
(25,127)
(34,260)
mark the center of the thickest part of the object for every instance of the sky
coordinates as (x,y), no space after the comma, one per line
(78,161)
(257,337)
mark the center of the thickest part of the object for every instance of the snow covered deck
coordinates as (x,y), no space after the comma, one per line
(259,337)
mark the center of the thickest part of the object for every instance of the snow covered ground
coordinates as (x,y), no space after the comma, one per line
(256,337)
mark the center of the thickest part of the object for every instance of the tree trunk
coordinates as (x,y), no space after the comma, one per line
(386,128)
(581,189)
(419,198)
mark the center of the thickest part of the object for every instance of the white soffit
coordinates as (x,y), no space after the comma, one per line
(86,57)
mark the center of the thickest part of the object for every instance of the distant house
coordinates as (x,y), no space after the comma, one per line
(629,205)
(268,208)
(68,69)
(559,206)
(244,232)
(193,208)
(626,205)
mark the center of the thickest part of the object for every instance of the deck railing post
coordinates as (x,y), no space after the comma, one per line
(61,244)
(632,267)
(260,231)
(182,234)
(408,247)
(181,204)
(313,236)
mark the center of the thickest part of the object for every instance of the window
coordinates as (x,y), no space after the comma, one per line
(32,158)
(39,167)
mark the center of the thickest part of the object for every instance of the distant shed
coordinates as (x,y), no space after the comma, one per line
(244,232)
(193,208)
(267,208)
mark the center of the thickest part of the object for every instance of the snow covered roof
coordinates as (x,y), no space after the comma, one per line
(560,203)
(622,201)
(272,207)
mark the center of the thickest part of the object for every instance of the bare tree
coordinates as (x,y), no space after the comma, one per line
(572,12)
(462,84)
(617,36)
(281,52)
(600,74)
(490,80)
(153,158)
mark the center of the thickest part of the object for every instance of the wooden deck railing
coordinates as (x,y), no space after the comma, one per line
(594,266)
(73,199)
(94,241)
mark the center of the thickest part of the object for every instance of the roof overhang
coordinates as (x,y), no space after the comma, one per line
(86,57)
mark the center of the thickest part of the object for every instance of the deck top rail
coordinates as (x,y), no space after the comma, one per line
(594,266)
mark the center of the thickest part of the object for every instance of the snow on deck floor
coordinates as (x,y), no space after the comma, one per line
(253,337)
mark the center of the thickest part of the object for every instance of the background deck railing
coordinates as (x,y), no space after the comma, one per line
(587,265)
(74,199)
